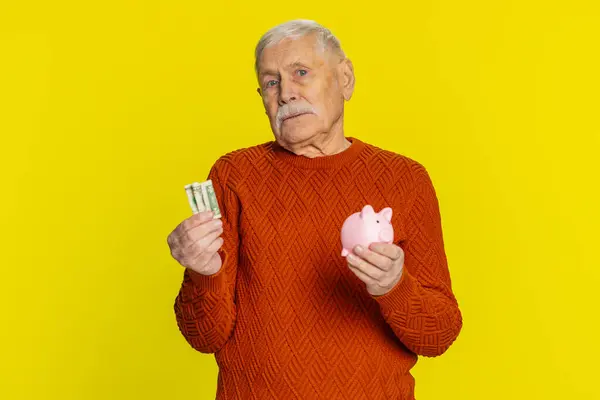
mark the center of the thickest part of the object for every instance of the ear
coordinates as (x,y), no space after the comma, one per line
(347,79)
(387,214)
(366,211)
(260,94)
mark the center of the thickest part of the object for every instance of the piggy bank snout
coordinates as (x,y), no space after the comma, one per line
(386,234)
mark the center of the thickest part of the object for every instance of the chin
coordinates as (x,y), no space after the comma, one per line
(295,135)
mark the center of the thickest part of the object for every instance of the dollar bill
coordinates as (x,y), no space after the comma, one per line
(211,198)
(205,197)
(191,200)
(202,197)
(197,191)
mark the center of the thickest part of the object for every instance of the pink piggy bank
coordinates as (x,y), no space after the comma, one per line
(366,227)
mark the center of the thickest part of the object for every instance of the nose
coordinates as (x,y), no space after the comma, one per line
(287,92)
(386,234)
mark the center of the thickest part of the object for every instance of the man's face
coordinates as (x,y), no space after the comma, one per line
(303,89)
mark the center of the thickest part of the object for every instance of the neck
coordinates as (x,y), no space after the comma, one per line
(320,145)
(320,162)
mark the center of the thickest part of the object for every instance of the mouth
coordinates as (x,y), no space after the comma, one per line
(293,116)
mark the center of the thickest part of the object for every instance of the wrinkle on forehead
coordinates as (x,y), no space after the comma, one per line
(290,53)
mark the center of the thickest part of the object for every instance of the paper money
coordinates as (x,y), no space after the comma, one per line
(202,197)
(191,200)
(197,191)
(211,198)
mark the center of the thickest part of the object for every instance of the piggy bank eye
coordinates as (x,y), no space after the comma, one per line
(377,221)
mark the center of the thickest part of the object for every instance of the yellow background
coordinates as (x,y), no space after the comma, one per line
(109,108)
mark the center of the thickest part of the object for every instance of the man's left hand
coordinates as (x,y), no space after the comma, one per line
(379,267)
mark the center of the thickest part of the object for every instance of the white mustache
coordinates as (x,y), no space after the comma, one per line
(293,109)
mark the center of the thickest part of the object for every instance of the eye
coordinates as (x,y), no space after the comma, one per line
(377,221)
(302,72)
(271,83)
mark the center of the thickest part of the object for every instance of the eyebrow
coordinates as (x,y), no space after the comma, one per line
(262,74)
(292,65)
(299,64)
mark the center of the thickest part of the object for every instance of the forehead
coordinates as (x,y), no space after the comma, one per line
(291,51)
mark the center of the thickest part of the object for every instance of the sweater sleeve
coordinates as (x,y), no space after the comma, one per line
(422,309)
(205,307)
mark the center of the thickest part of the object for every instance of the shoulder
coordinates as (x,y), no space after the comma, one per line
(398,165)
(401,174)
(243,156)
(236,163)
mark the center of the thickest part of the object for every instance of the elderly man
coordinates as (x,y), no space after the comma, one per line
(266,288)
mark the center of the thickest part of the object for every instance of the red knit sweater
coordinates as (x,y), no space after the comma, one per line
(285,317)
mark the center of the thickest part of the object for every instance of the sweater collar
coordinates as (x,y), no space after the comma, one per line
(323,162)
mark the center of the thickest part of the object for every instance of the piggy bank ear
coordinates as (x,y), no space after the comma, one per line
(387,214)
(366,211)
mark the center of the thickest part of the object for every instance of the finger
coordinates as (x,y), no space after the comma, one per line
(389,250)
(195,220)
(361,275)
(199,232)
(210,265)
(201,243)
(215,245)
(366,268)
(204,257)
(380,261)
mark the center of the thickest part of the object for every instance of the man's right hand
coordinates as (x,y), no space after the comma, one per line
(195,241)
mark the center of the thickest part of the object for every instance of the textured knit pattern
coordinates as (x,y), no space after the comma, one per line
(285,317)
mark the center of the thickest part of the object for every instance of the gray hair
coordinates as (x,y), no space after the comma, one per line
(295,29)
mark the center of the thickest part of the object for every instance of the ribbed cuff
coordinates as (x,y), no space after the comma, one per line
(399,297)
